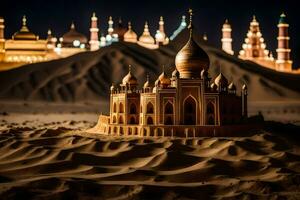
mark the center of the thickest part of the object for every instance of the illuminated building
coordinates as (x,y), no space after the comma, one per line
(119,31)
(130,35)
(160,36)
(226,38)
(94,39)
(23,47)
(146,40)
(254,48)
(186,104)
(181,27)
(283,62)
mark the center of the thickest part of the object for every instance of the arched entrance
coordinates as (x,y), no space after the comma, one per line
(190,111)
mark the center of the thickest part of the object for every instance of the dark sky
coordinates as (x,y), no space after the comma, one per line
(209,16)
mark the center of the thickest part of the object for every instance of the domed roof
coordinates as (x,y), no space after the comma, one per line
(130,35)
(120,30)
(191,59)
(244,87)
(204,73)
(232,86)
(146,36)
(213,86)
(163,79)
(129,79)
(24,33)
(221,81)
(72,35)
(147,83)
(175,73)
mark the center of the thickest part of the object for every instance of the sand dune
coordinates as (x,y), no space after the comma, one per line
(47,163)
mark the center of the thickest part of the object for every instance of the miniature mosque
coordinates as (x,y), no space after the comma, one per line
(26,47)
(186,104)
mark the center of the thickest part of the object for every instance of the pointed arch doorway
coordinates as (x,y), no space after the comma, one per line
(190,111)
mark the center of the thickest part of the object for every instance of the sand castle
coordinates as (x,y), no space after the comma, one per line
(186,105)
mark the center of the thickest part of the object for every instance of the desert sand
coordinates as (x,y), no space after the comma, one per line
(59,160)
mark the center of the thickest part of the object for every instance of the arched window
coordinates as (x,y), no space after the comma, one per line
(132,109)
(169,120)
(132,120)
(190,111)
(121,120)
(114,119)
(121,108)
(210,108)
(149,120)
(169,108)
(150,109)
(115,107)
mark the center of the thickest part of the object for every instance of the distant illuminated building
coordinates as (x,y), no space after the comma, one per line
(130,35)
(283,62)
(23,47)
(160,36)
(146,40)
(226,38)
(187,104)
(94,38)
(181,27)
(254,48)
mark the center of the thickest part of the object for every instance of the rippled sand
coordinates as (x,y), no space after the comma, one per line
(54,162)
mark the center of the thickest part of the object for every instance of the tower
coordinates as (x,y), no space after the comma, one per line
(283,62)
(2,39)
(160,35)
(94,40)
(226,38)
(254,46)
(110,29)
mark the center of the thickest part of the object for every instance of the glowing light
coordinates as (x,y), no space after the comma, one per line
(76,43)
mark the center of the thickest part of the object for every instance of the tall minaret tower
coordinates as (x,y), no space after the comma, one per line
(2,39)
(110,26)
(283,62)
(160,35)
(226,38)
(94,40)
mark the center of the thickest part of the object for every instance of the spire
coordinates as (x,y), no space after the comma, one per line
(190,27)
(129,25)
(282,19)
(254,18)
(72,25)
(129,68)
(49,32)
(24,20)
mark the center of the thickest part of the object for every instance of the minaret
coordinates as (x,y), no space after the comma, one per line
(51,41)
(110,29)
(2,39)
(94,39)
(226,38)
(160,35)
(283,62)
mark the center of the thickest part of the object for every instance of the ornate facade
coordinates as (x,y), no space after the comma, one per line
(186,103)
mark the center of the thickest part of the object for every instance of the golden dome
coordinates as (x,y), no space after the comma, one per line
(146,36)
(221,81)
(129,79)
(147,83)
(24,33)
(72,35)
(191,59)
(231,86)
(163,79)
(130,35)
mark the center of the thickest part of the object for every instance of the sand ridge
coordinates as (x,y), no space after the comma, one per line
(58,162)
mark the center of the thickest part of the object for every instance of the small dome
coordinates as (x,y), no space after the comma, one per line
(221,81)
(147,83)
(146,36)
(24,33)
(213,86)
(130,35)
(175,73)
(204,73)
(112,87)
(72,35)
(163,79)
(120,30)
(231,86)
(129,79)
(244,87)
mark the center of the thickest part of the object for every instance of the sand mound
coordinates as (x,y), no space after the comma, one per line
(62,163)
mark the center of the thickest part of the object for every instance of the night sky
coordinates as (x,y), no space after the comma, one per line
(209,16)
